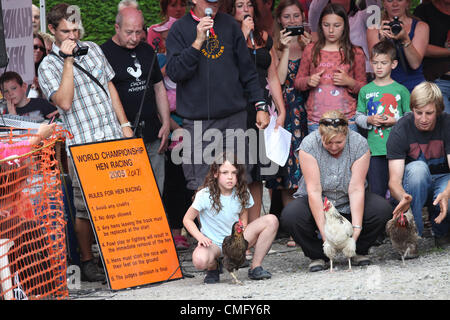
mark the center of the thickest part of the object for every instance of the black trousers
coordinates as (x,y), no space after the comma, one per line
(297,219)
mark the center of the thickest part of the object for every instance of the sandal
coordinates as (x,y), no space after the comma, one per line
(291,243)
(181,243)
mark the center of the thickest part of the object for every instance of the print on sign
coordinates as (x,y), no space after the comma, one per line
(126,211)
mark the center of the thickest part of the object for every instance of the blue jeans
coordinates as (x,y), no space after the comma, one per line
(444,85)
(424,188)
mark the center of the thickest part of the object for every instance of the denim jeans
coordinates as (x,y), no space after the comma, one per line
(444,85)
(424,188)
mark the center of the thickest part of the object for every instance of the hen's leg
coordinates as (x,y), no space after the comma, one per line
(404,255)
(236,281)
(349,264)
(331,265)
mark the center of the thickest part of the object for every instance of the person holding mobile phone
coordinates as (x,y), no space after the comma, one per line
(289,49)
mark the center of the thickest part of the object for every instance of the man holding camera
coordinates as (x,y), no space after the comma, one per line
(88,103)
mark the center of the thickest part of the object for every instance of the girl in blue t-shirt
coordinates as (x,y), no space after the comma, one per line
(223,199)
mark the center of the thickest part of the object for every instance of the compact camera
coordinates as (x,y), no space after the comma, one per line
(80,50)
(77,51)
(396,26)
(296,30)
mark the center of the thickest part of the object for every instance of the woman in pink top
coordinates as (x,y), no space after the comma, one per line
(332,69)
(169,8)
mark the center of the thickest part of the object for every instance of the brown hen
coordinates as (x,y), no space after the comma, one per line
(233,249)
(403,234)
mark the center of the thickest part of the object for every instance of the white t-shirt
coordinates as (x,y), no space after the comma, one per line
(217,225)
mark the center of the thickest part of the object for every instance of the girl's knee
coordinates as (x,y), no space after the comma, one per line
(201,260)
(272,221)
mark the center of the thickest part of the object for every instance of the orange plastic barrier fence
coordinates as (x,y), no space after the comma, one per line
(32,225)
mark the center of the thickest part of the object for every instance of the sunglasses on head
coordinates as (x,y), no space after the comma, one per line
(333,122)
(36,47)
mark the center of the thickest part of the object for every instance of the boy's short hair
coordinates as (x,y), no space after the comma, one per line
(384,47)
(57,13)
(425,93)
(9,76)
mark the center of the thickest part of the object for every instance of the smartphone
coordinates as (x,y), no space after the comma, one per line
(296,30)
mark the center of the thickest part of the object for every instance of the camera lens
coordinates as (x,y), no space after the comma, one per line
(396,26)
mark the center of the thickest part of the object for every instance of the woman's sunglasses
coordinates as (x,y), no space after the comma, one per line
(36,47)
(333,122)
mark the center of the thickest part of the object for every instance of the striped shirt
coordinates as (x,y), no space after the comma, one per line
(91,117)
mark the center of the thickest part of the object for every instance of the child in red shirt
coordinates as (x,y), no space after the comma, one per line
(332,69)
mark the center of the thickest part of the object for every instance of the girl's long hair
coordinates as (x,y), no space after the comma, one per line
(229,6)
(345,46)
(277,27)
(211,183)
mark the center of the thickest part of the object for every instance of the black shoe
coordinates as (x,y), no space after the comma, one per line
(442,242)
(317,265)
(90,272)
(212,276)
(259,273)
(220,264)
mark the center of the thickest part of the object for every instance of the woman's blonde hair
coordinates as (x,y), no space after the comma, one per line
(425,93)
(331,124)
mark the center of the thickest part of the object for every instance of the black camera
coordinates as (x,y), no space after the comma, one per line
(80,50)
(77,51)
(296,30)
(396,26)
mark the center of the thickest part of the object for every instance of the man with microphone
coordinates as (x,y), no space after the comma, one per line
(216,77)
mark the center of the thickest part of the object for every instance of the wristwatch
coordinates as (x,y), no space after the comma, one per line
(261,106)
(63,55)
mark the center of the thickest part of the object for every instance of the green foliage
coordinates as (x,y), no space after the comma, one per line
(98,16)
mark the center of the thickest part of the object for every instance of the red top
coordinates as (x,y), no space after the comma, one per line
(327,96)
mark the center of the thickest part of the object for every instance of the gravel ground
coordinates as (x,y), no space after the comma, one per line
(427,277)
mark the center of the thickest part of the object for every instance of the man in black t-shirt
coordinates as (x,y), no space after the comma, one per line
(14,91)
(131,60)
(418,149)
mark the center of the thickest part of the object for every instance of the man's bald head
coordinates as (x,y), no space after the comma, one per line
(129,27)
(35,18)
(130,14)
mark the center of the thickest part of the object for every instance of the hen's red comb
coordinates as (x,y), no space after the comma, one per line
(325,204)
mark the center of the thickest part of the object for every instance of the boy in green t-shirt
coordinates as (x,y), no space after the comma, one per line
(380,104)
